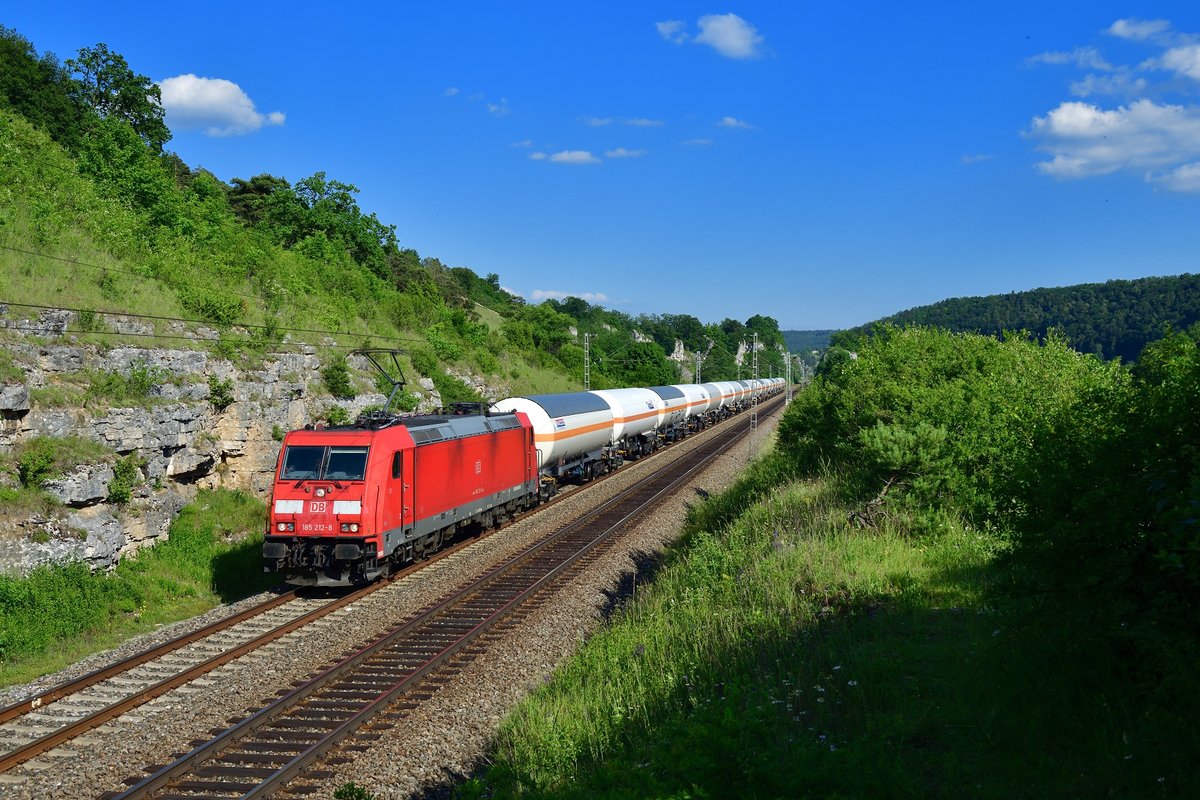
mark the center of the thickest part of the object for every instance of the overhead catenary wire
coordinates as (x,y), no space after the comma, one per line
(362,336)
(277,347)
(116,270)
(160,318)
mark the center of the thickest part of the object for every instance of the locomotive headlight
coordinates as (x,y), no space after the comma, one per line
(321,492)
(354,527)
(281,526)
(349,527)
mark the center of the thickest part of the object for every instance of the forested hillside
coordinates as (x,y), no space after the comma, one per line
(1115,319)
(807,341)
(96,215)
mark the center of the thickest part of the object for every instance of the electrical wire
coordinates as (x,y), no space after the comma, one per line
(360,335)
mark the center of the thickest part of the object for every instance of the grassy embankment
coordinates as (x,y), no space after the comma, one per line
(60,614)
(786,653)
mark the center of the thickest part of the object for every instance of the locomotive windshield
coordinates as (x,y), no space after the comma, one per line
(317,462)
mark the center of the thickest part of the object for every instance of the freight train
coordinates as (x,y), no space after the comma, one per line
(352,502)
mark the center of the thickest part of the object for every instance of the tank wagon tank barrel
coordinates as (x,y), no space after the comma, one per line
(351,502)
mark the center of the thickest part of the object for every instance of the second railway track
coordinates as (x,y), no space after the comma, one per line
(281,747)
(112,738)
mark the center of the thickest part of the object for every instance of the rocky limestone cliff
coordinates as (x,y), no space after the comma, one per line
(179,439)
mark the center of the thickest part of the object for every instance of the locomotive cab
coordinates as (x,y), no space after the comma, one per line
(319,529)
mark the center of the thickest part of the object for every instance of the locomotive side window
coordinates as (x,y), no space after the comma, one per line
(302,462)
(346,464)
(396,465)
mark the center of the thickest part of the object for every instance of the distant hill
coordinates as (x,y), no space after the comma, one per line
(806,341)
(1114,319)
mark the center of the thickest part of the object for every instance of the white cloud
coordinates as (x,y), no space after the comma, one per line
(498,109)
(1183,60)
(1120,84)
(451,91)
(1085,57)
(621,152)
(729,35)
(1148,134)
(217,106)
(697,142)
(574,157)
(635,122)
(975,158)
(551,294)
(538,156)
(734,122)
(1138,29)
(1185,178)
(523,143)
(672,30)
(1086,140)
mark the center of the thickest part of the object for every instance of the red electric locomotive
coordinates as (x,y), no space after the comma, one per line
(351,502)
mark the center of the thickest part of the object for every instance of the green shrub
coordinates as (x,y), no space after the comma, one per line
(126,476)
(45,457)
(443,343)
(453,390)
(1094,469)
(136,386)
(212,305)
(424,361)
(91,322)
(220,392)
(336,376)
(486,361)
(959,419)
(335,415)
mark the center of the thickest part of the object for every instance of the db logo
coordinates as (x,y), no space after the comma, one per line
(317,507)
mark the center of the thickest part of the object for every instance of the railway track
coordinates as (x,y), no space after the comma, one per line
(39,724)
(289,745)
(57,715)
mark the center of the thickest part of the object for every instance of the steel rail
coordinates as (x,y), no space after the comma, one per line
(70,731)
(71,687)
(109,712)
(295,700)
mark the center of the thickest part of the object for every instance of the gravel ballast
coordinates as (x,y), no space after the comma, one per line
(438,742)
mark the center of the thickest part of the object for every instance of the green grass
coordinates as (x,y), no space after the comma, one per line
(59,614)
(789,654)
(10,371)
(42,458)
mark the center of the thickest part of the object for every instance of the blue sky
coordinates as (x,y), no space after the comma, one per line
(824,164)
